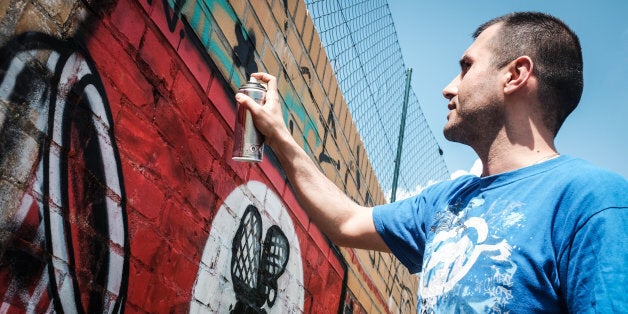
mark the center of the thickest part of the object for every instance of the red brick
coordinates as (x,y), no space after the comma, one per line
(319,238)
(313,256)
(201,155)
(304,241)
(214,131)
(139,278)
(317,286)
(158,57)
(337,264)
(114,98)
(224,100)
(114,63)
(223,181)
(168,168)
(144,244)
(185,275)
(188,98)
(200,199)
(142,194)
(159,294)
(129,20)
(275,176)
(137,138)
(295,208)
(148,7)
(241,169)
(158,16)
(334,282)
(308,300)
(184,231)
(192,56)
(171,126)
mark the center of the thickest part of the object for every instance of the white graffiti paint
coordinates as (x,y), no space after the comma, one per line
(46,106)
(213,290)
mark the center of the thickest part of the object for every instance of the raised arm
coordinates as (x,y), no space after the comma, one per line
(342,220)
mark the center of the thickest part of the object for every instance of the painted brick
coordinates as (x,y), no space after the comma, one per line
(168,25)
(129,21)
(230,26)
(145,244)
(171,126)
(115,65)
(224,101)
(222,180)
(185,233)
(139,278)
(192,55)
(137,137)
(141,193)
(213,130)
(157,58)
(146,5)
(188,98)
(319,238)
(276,177)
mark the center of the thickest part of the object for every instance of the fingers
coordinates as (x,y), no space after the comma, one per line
(247,101)
(270,80)
(272,101)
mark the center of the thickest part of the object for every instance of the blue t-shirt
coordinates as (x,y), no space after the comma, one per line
(546,238)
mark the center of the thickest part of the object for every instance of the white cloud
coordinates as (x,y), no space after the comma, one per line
(475,170)
(403,194)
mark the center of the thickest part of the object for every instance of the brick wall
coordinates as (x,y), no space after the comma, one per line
(118,191)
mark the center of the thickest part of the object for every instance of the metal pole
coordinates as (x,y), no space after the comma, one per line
(402,129)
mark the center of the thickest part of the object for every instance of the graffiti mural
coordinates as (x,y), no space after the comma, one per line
(73,204)
(154,216)
(253,276)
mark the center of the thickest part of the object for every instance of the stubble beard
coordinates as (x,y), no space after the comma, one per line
(475,127)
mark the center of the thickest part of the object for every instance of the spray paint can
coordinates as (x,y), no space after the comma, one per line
(248,142)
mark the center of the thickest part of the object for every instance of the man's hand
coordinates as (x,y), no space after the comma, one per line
(268,118)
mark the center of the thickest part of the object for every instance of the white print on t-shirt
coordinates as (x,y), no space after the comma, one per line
(453,257)
(460,241)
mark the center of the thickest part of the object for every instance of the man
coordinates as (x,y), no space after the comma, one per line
(537,232)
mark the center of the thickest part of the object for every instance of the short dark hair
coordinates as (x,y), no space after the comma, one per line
(555,51)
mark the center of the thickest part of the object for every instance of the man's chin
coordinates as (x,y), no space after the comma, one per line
(454,135)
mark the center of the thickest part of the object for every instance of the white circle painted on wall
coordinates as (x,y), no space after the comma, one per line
(251,261)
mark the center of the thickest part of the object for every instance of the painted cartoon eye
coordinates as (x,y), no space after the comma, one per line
(274,259)
(255,268)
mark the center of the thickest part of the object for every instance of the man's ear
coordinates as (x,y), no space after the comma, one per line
(519,71)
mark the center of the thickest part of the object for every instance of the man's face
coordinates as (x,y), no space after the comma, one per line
(475,98)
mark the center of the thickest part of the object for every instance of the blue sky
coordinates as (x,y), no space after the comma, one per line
(434,34)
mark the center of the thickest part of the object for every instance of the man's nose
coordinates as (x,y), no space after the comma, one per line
(451,90)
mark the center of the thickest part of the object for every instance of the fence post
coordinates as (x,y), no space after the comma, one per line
(402,129)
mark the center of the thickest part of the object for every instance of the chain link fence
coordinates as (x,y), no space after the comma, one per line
(361,42)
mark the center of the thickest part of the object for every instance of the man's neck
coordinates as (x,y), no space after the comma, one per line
(506,154)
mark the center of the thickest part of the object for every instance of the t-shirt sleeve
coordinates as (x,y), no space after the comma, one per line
(596,270)
(399,225)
